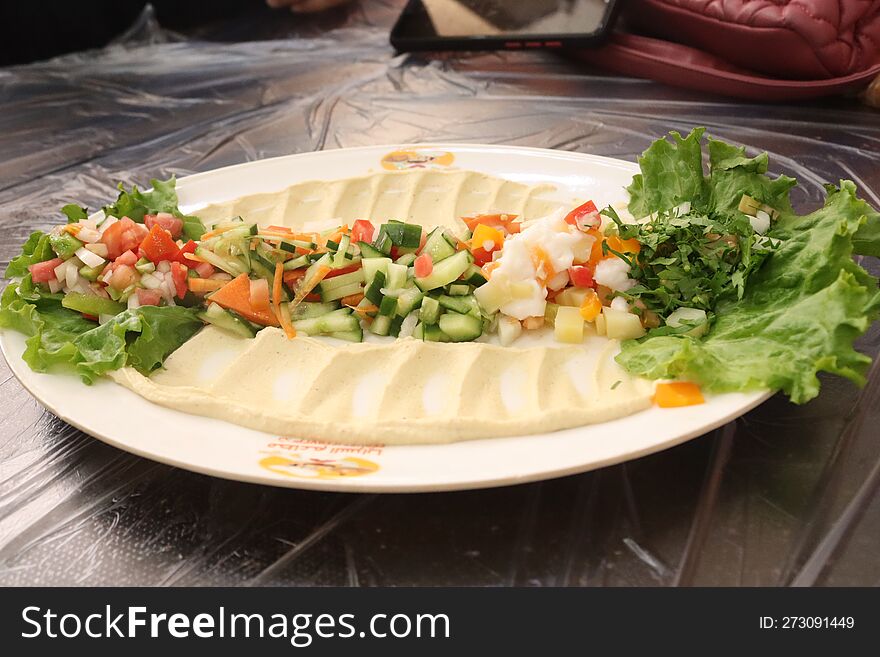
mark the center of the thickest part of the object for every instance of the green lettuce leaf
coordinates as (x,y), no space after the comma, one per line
(672,172)
(75,213)
(135,204)
(800,314)
(36,249)
(62,338)
(732,174)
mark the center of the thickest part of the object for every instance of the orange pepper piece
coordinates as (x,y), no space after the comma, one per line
(591,307)
(623,246)
(543,264)
(483,234)
(677,393)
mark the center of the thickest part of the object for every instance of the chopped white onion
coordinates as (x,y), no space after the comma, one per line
(619,303)
(109,221)
(151,282)
(164,267)
(760,222)
(408,325)
(89,258)
(133,301)
(104,318)
(54,285)
(98,248)
(71,276)
(88,235)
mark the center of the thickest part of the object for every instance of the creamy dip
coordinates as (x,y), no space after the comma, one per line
(393,391)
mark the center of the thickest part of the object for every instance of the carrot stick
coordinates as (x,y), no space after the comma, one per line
(352,299)
(200,285)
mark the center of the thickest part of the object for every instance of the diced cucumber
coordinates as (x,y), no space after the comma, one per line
(91,304)
(339,321)
(419,331)
(369,251)
(310,309)
(348,336)
(403,235)
(437,246)
(262,267)
(394,327)
(64,245)
(373,265)
(227,320)
(229,264)
(429,313)
(332,246)
(445,271)
(457,304)
(473,275)
(144,266)
(342,251)
(383,241)
(91,273)
(343,280)
(406,259)
(388,306)
(458,289)
(409,300)
(395,276)
(374,289)
(461,328)
(297,263)
(433,333)
(340,292)
(381,325)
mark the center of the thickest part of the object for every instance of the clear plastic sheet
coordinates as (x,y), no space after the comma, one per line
(786,495)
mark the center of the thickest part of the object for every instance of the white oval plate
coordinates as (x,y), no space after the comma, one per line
(121,418)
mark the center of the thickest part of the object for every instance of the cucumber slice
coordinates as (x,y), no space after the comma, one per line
(437,246)
(419,331)
(374,289)
(383,241)
(92,273)
(388,306)
(457,304)
(433,333)
(339,321)
(458,289)
(227,320)
(406,259)
(369,251)
(343,280)
(310,309)
(297,263)
(403,235)
(373,265)
(409,300)
(342,252)
(429,313)
(445,271)
(394,327)
(460,328)
(473,275)
(381,325)
(395,276)
(231,265)
(348,336)
(341,291)
(91,304)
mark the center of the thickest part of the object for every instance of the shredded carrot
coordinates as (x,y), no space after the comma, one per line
(352,299)
(280,229)
(218,231)
(283,317)
(194,257)
(342,230)
(305,287)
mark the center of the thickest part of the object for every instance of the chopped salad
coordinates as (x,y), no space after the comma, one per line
(711,279)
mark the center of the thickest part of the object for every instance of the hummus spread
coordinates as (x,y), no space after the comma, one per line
(391,391)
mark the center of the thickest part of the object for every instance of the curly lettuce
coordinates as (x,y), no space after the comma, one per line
(801,311)
(135,204)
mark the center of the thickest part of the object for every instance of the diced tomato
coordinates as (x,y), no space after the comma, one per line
(149,297)
(43,272)
(122,236)
(506,221)
(481,256)
(178,276)
(167,221)
(581,276)
(423,265)
(362,231)
(291,278)
(312,296)
(189,247)
(123,276)
(127,258)
(203,269)
(343,270)
(91,318)
(395,253)
(259,296)
(584,216)
(158,245)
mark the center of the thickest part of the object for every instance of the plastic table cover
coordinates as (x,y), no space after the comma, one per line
(786,495)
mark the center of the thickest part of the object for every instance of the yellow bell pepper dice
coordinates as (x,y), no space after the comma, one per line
(485,236)
(591,306)
(677,393)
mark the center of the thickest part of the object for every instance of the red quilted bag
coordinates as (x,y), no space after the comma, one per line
(758,49)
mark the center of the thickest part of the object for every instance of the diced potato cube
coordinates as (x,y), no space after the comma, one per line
(569,325)
(622,325)
(509,329)
(573,296)
(493,294)
(600,324)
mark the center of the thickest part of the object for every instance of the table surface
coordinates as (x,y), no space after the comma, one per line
(786,495)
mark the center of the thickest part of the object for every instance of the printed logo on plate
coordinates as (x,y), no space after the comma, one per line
(310,459)
(416,159)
